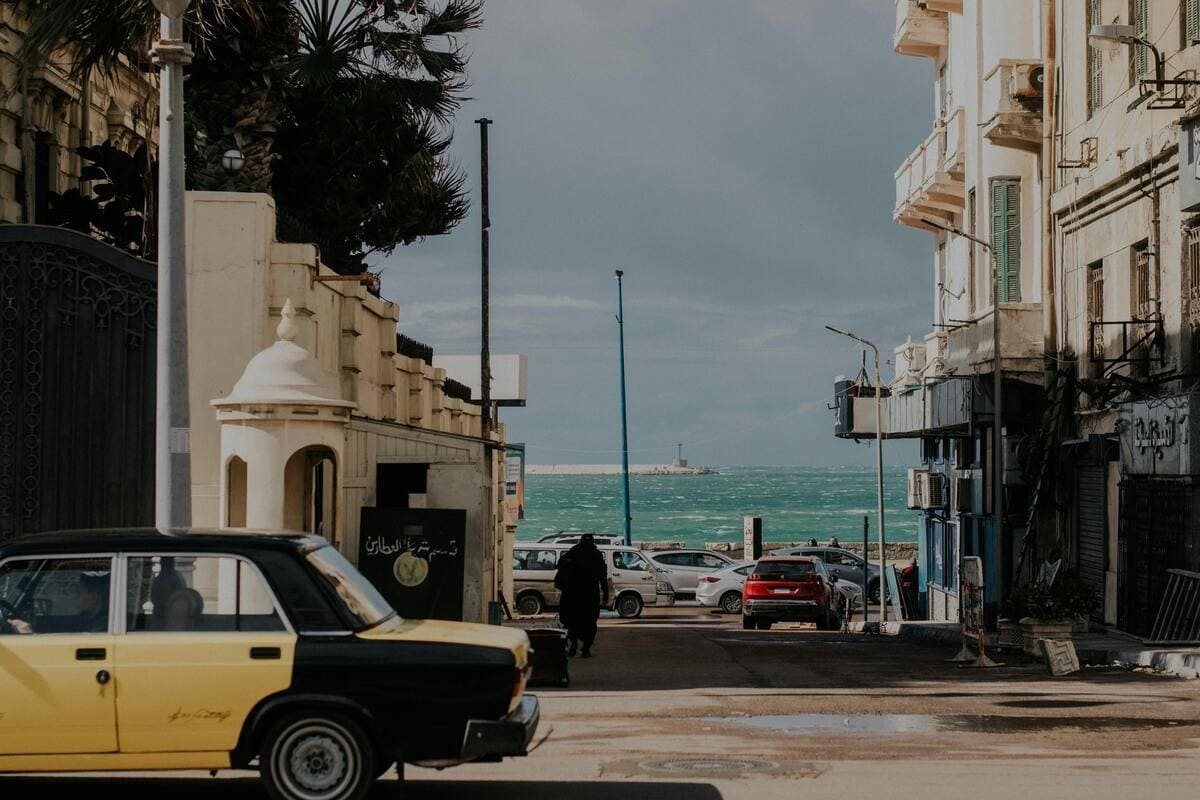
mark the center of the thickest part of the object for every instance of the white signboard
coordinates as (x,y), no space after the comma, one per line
(508,376)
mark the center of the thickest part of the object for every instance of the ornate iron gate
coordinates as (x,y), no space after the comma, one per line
(77,363)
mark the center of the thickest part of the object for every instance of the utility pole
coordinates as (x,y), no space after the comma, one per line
(485,356)
(172,425)
(624,417)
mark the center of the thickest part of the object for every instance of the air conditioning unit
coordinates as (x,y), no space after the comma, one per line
(934,490)
(916,487)
(1028,82)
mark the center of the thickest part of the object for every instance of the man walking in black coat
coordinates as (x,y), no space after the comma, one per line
(583,580)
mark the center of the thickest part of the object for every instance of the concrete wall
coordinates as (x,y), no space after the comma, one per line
(239,278)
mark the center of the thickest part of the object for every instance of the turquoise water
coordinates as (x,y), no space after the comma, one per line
(796,503)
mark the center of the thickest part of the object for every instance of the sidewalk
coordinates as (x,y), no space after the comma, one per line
(1096,648)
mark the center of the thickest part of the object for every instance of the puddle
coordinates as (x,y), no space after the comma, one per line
(803,724)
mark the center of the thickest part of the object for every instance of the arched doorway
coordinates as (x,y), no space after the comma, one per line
(235,482)
(310,491)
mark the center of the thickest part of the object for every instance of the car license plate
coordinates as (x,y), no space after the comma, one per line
(782,591)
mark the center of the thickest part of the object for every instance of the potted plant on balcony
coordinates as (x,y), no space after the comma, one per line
(1051,611)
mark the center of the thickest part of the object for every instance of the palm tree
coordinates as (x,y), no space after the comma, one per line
(380,79)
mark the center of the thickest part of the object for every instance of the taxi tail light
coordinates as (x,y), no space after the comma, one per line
(522,677)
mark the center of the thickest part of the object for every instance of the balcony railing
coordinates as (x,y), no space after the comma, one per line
(930,181)
(920,31)
(1134,342)
(1022,349)
(945,6)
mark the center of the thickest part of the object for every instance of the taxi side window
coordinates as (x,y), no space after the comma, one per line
(545,560)
(197,594)
(629,561)
(55,595)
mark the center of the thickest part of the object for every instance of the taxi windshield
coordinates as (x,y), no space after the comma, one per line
(362,600)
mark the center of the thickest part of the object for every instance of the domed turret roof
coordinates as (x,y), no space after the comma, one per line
(284,374)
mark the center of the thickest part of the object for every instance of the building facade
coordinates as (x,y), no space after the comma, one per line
(1060,173)
(45,115)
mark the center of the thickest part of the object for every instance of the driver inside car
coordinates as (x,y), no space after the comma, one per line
(91,605)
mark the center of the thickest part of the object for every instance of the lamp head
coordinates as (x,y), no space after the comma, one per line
(1111,37)
(171,8)
(233,160)
(620,273)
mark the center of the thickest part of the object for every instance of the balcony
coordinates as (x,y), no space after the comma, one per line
(930,181)
(1021,346)
(919,30)
(945,6)
(944,407)
(1012,94)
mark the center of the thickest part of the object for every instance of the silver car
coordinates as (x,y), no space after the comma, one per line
(683,568)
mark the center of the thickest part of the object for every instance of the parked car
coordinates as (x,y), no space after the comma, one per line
(633,581)
(843,563)
(683,568)
(723,588)
(141,650)
(789,588)
(573,537)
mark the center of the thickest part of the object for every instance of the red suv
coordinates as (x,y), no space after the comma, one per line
(795,589)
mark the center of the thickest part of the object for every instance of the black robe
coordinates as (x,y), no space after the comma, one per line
(583,580)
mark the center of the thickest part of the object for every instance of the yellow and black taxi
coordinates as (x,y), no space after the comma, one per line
(149,650)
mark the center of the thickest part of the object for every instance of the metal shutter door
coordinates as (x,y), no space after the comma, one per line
(1092,528)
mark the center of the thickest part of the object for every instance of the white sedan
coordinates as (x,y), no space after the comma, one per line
(723,589)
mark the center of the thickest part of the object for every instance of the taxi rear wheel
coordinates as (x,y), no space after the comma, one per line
(311,757)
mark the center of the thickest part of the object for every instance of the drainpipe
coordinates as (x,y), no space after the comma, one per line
(27,155)
(1049,124)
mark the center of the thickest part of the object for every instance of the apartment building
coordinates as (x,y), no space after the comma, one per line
(1061,172)
(974,185)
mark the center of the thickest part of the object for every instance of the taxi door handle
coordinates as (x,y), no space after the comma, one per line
(91,654)
(265,653)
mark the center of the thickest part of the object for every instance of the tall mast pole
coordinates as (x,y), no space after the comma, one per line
(624,416)
(485,356)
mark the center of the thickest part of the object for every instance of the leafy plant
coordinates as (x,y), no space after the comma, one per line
(115,211)
(1067,598)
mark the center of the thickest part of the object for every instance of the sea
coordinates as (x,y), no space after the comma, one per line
(795,503)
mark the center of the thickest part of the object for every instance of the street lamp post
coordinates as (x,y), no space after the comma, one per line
(624,418)
(172,453)
(883,614)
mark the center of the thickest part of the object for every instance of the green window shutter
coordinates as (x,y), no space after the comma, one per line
(1141,54)
(1095,65)
(1006,237)
(1191,20)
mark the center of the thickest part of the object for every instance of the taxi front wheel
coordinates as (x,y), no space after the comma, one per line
(326,757)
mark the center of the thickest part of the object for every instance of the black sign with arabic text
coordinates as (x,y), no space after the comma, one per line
(414,557)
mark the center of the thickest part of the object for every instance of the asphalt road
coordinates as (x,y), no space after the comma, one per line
(688,706)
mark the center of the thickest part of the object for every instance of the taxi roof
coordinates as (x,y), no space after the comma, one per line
(173,539)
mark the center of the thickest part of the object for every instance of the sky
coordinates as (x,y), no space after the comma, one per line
(736,160)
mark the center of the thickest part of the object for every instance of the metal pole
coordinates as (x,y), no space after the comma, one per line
(878,476)
(172,462)
(485,356)
(866,569)
(883,614)
(624,416)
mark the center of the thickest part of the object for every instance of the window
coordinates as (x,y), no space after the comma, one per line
(785,570)
(676,559)
(535,559)
(710,562)
(624,559)
(55,595)
(197,594)
(944,91)
(1190,22)
(1095,62)
(838,558)
(746,570)
(361,600)
(1096,308)
(1139,56)
(1142,299)
(1006,236)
